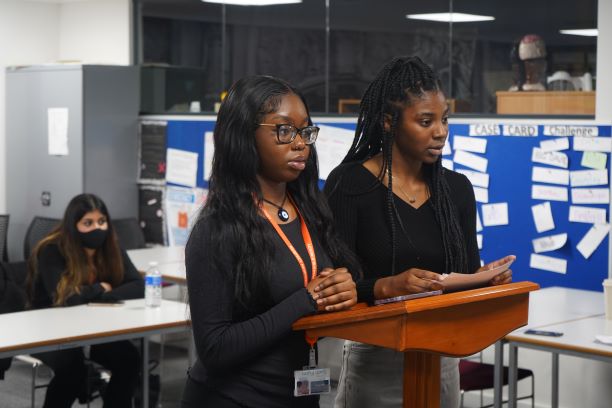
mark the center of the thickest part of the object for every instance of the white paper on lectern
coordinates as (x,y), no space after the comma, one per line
(182,167)
(540,192)
(542,217)
(555,145)
(590,195)
(459,281)
(446,150)
(593,144)
(589,215)
(549,243)
(57,131)
(332,144)
(447,164)
(494,214)
(470,144)
(589,243)
(581,178)
(481,194)
(209,152)
(549,175)
(477,178)
(548,263)
(557,159)
(470,160)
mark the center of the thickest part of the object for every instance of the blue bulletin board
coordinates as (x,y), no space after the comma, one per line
(510,170)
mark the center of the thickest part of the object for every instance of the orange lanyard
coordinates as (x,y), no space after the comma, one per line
(307,242)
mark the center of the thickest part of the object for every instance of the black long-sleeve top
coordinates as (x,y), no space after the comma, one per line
(250,359)
(358,202)
(52,264)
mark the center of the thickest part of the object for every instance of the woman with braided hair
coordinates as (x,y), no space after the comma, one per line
(407,218)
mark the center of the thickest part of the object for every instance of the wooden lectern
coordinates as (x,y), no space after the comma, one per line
(456,324)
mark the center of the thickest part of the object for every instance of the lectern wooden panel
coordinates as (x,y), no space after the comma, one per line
(456,324)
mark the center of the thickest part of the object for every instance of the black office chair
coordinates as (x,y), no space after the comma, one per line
(4,222)
(478,376)
(129,233)
(39,228)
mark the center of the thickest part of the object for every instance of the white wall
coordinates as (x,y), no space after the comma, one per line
(95,32)
(29,33)
(603,113)
(43,31)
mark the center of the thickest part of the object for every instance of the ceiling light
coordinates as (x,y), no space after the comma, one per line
(585,32)
(253,2)
(448,17)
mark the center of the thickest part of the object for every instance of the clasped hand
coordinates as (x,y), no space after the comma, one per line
(333,289)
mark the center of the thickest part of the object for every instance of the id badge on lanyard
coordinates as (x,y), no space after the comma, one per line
(311,380)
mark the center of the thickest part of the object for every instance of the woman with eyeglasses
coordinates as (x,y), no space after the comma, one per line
(80,262)
(262,253)
(407,218)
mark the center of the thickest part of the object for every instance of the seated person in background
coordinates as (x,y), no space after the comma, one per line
(80,262)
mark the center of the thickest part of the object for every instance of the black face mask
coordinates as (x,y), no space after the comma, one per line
(93,239)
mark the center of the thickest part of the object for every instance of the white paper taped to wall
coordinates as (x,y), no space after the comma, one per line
(590,195)
(548,175)
(581,178)
(556,159)
(548,263)
(589,215)
(554,145)
(589,243)
(495,214)
(540,192)
(471,160)
(542,217)
(477,178)
(470,144)
(549,243)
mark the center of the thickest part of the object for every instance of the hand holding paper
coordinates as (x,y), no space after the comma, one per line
(494,273)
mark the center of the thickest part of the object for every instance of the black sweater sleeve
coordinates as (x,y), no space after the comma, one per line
(221,341)
(132,286)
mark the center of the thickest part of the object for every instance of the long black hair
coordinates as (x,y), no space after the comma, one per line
(232,207)
(396,86)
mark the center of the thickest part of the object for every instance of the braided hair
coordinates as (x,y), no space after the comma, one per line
(396,86)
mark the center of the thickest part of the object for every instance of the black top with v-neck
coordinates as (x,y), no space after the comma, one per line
(358,201)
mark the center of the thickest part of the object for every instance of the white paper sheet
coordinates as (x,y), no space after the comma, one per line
(57,131)
(476,178)
(542,217)
(540,192)
(590,195)
(568,130)
(479,240)
(495,214)
(549,243)
(478,223)
(593,144)
(470,144)
(332,145)
(182,208)
(209,152)
(548,175)
(555,145)
(446,150)
(556,159)
(481,194)
(447,164)
(182,167)
(485,129)
(548,263)
(589,215)
(521,130)
(581,178)
(589,243)
(594,160)
(471,160)
(460,281)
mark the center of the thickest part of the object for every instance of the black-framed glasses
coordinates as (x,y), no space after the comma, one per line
(286,133)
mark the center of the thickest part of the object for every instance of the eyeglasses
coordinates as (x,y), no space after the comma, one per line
(286,133)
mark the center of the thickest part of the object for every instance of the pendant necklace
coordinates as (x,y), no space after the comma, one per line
(411,199)
(282,214)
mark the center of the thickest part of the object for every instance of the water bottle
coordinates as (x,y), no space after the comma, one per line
(153,286)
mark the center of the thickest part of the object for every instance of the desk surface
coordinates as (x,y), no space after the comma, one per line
(170,261)
(556,305)
(65,327)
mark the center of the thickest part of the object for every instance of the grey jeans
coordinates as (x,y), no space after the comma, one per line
(372,377)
